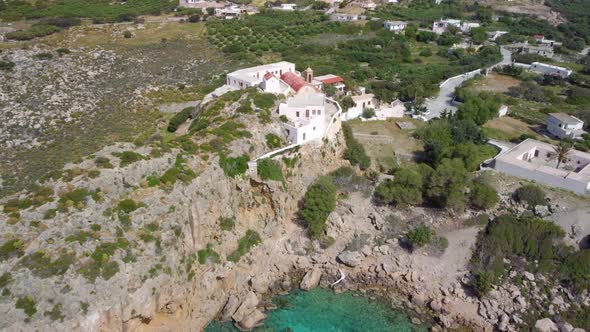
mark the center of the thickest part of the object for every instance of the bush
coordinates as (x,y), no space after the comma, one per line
(127,34)
(234,167)
(179,118)
(483,283)
(273,141)
(44,56)
(483,196)
(208,255)
(319,201)
(368,113)
(103,162)
(227,223)
(42,266)
(405,189)
(6,65)
(129,157)
(269,169)
(244,245)
(38,30)
(11,248)
(419,237)
(264,101)
(531,195)
(576,270)
(426,52)
(27,304)
(128,205)
(355,151)
(283,117)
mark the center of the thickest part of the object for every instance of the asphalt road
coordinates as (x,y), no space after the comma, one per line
(443,101)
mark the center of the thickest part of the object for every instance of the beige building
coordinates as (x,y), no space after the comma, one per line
(536,161)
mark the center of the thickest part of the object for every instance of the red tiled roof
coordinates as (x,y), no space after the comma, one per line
(539,36)
(268,75)
(332,80)
(295,81)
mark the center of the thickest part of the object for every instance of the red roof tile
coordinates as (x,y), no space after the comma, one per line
(332,80)
(295,81)
(268,75)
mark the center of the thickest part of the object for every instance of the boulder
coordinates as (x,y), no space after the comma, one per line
(546,325)
(529,276)
(230,307)
(541,210)
(503,324)
(311,279)
(248,305)
(252,320)
(566,327)
(351,258)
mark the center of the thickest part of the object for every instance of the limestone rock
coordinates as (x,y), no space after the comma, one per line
(503,324)
(230,307)
(252,320)
(529,276)
(546,325)
(311,279)
(541,210)
(248,305)
(351,258)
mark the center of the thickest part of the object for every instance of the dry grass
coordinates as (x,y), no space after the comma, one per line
(496,83)
(508,128)
(384,140)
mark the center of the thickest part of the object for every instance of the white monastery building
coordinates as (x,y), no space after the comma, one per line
(536,161)
(547,69)
(565,126)
(249,77)
(306,114)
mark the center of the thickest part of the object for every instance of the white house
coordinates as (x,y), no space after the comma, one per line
(286,7)
(547,69)
(439,27)
(253,76)
(493,35)
(340,17)
(272,84)
(366,100)
(395,109)
(565,126)
(306,115)
(535,160)
(336,81)
(395,26)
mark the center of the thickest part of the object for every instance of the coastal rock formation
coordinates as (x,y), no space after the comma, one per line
(351,258)
(311,279)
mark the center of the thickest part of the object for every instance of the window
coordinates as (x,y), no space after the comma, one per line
(304,136)
(297,113)
(313,128)
(536,153)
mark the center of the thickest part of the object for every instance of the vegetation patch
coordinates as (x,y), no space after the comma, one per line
(319,201)
(129,157)
(355,151)
(269,169)
(234,166)
(273,141)
(100,264)
(249,240)
(208,255)
(55,313)
(179,118)
(27,304)
(227,223)
(531,195)
(12,248)
(42,266)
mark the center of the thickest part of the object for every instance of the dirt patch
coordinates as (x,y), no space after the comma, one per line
(496,83)
(541,11)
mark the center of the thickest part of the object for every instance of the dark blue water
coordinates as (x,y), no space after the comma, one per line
(321,310)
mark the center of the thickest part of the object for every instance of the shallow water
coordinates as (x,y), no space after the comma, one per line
(322,310)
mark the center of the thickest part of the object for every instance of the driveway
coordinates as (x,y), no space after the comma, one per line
(444,99)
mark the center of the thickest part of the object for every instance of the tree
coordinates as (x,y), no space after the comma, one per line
(483,196)
(562,151)
(405,189)
(368,113)
(319,201)
(346,103)
(330,90)
(447,184)
(530,194)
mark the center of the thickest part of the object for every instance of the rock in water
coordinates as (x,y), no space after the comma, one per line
(311,279)
(546,325)
(248,305)
(252,320)
(350,258)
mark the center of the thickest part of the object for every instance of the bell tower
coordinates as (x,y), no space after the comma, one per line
(308,75)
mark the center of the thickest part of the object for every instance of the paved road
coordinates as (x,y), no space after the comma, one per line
(443,101)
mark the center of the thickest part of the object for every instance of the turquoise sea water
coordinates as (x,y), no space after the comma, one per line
(321,310)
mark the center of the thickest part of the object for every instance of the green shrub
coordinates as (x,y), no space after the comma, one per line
(103,162)
(55,313)
(75,198)
(6,65)
(5,279)
(483,283)
(27,304)
(419,237)
(179,118)
(483,196)
(128,205)
(355,151)
(273,141)
(208,255)
(234,167)
(248,241)
(269,169)
(49,214)
(530,194)
(227,223)
(42,266)
(284,118)
(38,30)
(127,34)
(15,204)
(576,270)
(80,237)
(63,51)
(368,113)
(405,189)
(100,264)
(44,56)
(11,248)
(129,157)
(319,201)
(264,101)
